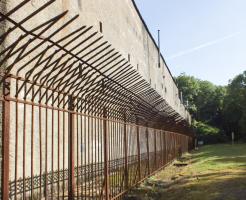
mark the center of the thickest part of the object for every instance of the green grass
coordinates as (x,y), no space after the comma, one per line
(214,172)
(219,157)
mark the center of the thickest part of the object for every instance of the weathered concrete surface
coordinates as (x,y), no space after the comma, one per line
(124,29)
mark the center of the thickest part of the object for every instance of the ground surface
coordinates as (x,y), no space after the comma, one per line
(216,172)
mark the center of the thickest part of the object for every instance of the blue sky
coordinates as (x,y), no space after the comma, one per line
(203,38)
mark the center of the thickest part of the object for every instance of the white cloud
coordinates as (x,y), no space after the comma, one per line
(205,45)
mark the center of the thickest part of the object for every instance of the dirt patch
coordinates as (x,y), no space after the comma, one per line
(204,176)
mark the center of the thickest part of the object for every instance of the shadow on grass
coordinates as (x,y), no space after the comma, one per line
(218,173)
(238,159)
(210,186)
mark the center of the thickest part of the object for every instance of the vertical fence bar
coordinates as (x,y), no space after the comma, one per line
(32,147)
(162,154)
(139,154)
(126,155)
(24,147)
(52,146)
(155,156)
(63,148)
(16,139)
(106,145)
(40,148)
(58,146)
(165,147)
(77,152)
(6,121)
(46,150)
(71,179)
(147,145)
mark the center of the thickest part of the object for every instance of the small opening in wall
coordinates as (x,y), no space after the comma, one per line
(162,86)
(137,67)
(165,90)
(129,58)
(150,81)
(101,27)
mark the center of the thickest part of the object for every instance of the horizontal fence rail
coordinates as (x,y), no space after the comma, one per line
(58,152)
(78,120)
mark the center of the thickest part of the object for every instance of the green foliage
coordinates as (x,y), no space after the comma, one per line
(234,111)
(205,129)
(216,106)
(189,87)
(205,99)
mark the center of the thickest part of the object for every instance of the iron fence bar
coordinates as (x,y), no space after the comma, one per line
(71,127)
(106,152)
(16,140)
(124,95)
(138,86)
(73,71)
(138,153)
(46,151)
(40,149)
(57,51)
(66,82)
(6,129)
(89,88)
(89,83)
(126,172)
(147,144)
(98,59)
(155,150)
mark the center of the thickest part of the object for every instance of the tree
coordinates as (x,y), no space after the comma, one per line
(214,106)
(234,110)
(189,87)
(205,99)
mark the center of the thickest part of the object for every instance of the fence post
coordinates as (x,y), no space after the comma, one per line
(6,121)
(126,155)
(106,167)
(139,153)
(147,140)
(71,178)
(155,149)
(175,145)
(161,138)
(165,148)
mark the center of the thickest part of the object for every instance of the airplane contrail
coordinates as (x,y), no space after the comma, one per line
(207,44)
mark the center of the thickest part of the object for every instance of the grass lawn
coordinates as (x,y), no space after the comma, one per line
(214,172)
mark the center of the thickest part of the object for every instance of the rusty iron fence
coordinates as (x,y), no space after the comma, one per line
(61,152)
(78,122)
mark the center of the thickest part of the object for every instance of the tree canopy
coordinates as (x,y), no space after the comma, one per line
(216,109)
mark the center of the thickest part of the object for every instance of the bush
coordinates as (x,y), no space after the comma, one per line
(205,129)
(209,134)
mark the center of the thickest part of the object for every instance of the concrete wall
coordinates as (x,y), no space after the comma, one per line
(123,28)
